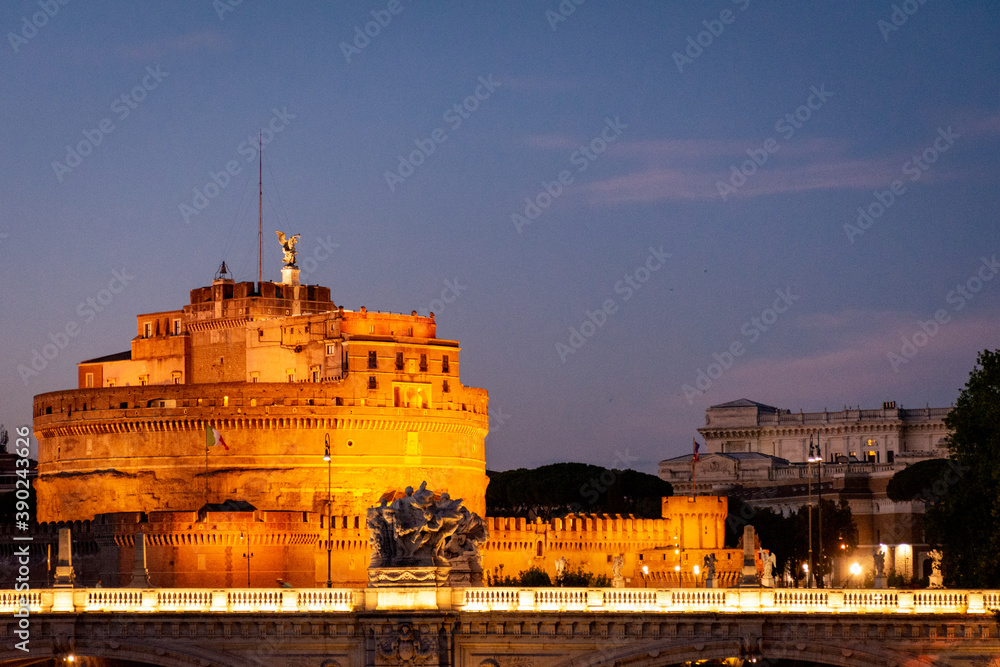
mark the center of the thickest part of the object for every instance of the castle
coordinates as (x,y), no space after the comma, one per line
(245,435)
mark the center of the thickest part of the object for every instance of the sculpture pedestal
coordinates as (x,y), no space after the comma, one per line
(879,581)
(936,581)
(408,577)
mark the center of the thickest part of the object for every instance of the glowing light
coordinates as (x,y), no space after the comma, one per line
(697,570)
(855,569)
(677,568)
(805,567)
(645,569)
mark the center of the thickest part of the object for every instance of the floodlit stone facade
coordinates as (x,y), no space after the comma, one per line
(761,453)
(275,370)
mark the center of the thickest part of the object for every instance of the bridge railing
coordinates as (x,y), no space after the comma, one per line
(640,600)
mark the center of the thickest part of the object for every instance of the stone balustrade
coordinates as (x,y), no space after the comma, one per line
(641,600)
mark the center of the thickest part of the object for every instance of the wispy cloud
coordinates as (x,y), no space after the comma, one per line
(852,359)
(692,169)
(191,43)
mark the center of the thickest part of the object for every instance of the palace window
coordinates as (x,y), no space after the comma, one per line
(90,380)
(373,359)
(444,364)
(372,382)
(147,330)
(177,327)
(399,361)
(423,363)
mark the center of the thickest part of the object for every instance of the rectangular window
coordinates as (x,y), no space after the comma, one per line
(177,327)
(372,382)
(315,373)
(371,328)
(90,380)
(423,363)
(399,361)
(143,380)
(255,376)
(176,377)
(111,383)
(444,387)
(373,359)
(147,330)
(444,364)
(331,349)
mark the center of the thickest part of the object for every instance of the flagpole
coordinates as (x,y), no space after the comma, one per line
(206,463)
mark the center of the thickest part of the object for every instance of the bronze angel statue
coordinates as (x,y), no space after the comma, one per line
(288,245)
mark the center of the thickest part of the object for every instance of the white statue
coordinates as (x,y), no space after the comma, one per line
(561,564)
(288,246)
(935,557)
(770,562)
(617,580)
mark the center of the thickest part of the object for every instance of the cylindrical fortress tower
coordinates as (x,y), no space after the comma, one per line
(278,371)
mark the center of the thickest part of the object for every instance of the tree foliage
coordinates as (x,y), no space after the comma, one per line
(964,518)
(916,482)
(564,488)
(787,537)
(536,577)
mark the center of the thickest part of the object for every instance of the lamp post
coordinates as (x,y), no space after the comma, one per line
(813,458)
(329,528)
(247,555)
(645,576)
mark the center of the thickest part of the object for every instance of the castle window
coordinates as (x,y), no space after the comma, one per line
(399,361)
(444,364)
(255,376)
(143,380)
(371,328)
(331,349)
(147,330)
(409,331)
(373,359)
(315,373)
(423,363)
(176,377)
(444,387)
(372,382)
(177,327)
(90,380)
(111,383)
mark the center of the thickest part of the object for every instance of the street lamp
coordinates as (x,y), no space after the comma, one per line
(247,555)
(645,576)
(329,528)
(813,458)
(855,570)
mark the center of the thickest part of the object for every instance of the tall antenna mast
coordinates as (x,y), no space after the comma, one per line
(260,211)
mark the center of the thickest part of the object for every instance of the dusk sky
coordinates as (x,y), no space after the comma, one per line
(621,194)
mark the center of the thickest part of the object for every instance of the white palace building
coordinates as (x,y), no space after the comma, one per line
(761,453)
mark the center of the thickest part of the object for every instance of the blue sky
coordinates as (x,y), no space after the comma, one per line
(679,170)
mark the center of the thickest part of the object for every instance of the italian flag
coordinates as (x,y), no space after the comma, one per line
(213,438)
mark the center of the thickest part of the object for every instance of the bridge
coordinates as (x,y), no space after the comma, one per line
(498,627)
